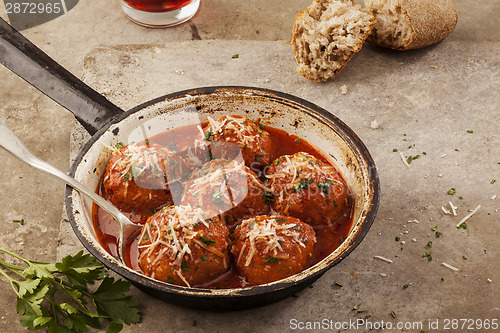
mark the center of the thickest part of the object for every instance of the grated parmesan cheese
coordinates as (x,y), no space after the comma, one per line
(468,216)
(383,259)
(269,234)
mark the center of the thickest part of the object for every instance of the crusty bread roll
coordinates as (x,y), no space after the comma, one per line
(326,36)
(411,24)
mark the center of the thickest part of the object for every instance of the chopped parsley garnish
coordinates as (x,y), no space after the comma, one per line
(438,234)
(406,286)
(470,131)
(119,145)
(136,169)
(259,131)
(465,257)
(434,228)
(206,241)
(235,56)
(126,177)
(395,150)
(208,135)
(462,225)
(217,198)
(410,158)
(252,224)
(270,260)
(170,279)
(452,191)
(429,243)
(297,140)
(280,219)
(204,257)
(335,203)
(325,187)
(172,146)
(427,255)
(302,184)
(184,266)
(21,221)
(268,197)
(493,181)
(397,238)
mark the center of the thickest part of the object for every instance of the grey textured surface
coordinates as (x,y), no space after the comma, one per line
(434,96)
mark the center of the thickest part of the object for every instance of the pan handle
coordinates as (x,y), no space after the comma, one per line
(22,57)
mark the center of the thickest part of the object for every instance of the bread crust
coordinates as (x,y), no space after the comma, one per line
(331,71)
(430,21)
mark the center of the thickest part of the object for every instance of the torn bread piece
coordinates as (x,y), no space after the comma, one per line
(326,36)
(411,24)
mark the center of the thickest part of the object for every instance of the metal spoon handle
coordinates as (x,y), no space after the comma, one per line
(13,144)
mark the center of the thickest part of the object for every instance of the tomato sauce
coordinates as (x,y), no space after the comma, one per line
(328,239)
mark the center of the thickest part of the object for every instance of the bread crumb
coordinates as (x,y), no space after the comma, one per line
(374,124)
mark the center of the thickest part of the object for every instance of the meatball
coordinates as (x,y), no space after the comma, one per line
(229,188)
(308,189)
(141,177)
(235,135)
(271,248)
(184,246)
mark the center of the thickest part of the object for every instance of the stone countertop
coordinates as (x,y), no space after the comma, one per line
(426,99)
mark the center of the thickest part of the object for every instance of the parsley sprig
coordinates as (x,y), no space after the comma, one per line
(57,297)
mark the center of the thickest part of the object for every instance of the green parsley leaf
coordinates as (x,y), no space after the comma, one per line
(462,225)
(42,286)
(252,224)
(302,184)
(185,267)
(208,135)
(452,191)
(427,255)
(21,221)
(206,241)
(119,145)
(493,181)
(325,187)
(270,260)
(410,158)
(235,56)
(470,131)
(268,197)
(217,198)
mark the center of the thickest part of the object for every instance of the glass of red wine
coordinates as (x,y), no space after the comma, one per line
(160,13)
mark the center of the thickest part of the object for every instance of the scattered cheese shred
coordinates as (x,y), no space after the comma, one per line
(270,234)
(446,211)
(449,266)
(453,208)
(468,216)
(403,159)
(383,259)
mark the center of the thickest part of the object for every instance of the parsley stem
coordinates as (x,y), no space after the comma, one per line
(15,256)
(12,268)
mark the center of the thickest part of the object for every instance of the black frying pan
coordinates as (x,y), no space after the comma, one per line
(108,124)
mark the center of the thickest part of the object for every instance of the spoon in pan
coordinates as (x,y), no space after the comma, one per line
(13,144)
